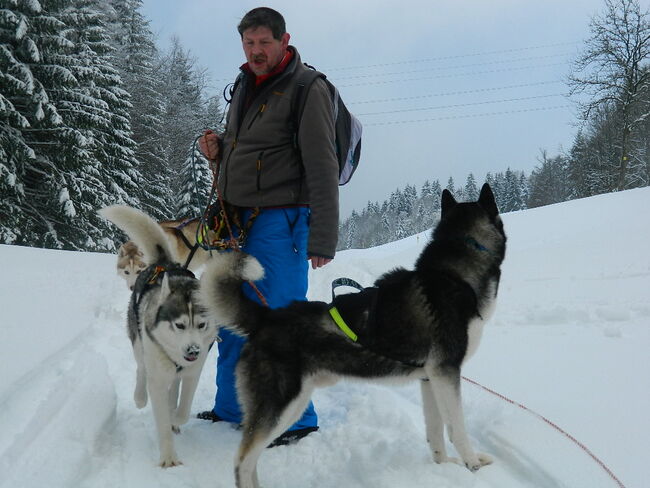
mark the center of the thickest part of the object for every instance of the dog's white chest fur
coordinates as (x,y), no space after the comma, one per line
(476,325)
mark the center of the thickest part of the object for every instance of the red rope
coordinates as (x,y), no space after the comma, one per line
(554,426)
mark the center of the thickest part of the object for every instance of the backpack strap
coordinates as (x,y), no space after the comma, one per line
(303,83)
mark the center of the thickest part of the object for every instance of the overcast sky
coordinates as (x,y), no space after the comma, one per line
(443,87)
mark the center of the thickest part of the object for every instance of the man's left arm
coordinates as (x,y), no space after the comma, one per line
(317,143)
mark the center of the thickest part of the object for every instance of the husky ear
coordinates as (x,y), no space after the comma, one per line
(165,291)
(487,201)
(447,203)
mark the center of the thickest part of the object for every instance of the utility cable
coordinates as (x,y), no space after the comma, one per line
(441,68)
(471,116)
(461,92)
(457,75)
(440,107)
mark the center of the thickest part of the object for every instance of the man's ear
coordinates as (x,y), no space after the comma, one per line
(285,39)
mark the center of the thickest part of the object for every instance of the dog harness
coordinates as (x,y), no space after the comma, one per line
(334,312)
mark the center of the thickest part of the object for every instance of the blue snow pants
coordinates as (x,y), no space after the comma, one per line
(278,239)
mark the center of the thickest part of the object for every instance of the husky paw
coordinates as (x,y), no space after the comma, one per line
(170,462)
(482,460)
(441,457)
(140,398)
(176,429)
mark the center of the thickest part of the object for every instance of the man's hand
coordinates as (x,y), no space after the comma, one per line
(318,261)
(209,145)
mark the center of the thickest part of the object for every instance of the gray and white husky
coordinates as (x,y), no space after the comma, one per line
(412,325)
(168,328)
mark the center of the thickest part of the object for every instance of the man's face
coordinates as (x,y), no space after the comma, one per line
(263,52)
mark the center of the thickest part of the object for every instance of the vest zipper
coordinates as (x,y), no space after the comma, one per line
(259,113)
(259,171)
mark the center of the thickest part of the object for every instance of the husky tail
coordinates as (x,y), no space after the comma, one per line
(221,290)
(143,230)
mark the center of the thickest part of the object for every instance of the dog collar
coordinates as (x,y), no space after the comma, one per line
(338,320)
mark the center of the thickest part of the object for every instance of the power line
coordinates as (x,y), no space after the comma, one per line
(456,56)
(463,92)
(440,107)
(440,68)
(473,116)
(457,75)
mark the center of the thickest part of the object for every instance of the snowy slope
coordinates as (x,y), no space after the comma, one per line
(569,340)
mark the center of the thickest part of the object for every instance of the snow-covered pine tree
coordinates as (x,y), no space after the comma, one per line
(511,193)
(184,108)
(136,58)
(92,153)
(523,186)
(402,230)
(46,65)
(350,238)
(409,196)
(471,191)
(195,185)
(548,181)
(436,193)
(22,100)
(386,233)
(578,168)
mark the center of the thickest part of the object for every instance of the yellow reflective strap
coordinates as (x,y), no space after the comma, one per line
(336,316)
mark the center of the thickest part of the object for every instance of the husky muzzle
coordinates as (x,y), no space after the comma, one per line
(192,352)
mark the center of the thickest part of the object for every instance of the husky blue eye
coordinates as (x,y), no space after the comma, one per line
(201,325)
(180,326)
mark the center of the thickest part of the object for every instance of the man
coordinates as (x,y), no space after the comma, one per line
(290,173)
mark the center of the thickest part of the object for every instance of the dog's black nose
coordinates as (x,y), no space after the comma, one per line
(192,352)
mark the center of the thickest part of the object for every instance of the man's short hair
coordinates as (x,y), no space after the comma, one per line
(263,17)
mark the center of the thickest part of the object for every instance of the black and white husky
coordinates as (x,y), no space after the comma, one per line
(420,324)
(168,328)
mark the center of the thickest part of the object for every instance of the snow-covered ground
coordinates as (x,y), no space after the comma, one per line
(569,340)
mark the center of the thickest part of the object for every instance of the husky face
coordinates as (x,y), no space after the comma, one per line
(130,263)
(130,272)
(182,327)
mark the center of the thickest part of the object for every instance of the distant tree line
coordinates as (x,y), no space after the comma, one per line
(91,114)
(409,212)
(610,153)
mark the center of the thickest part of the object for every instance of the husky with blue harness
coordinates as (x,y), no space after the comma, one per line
(419,324)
